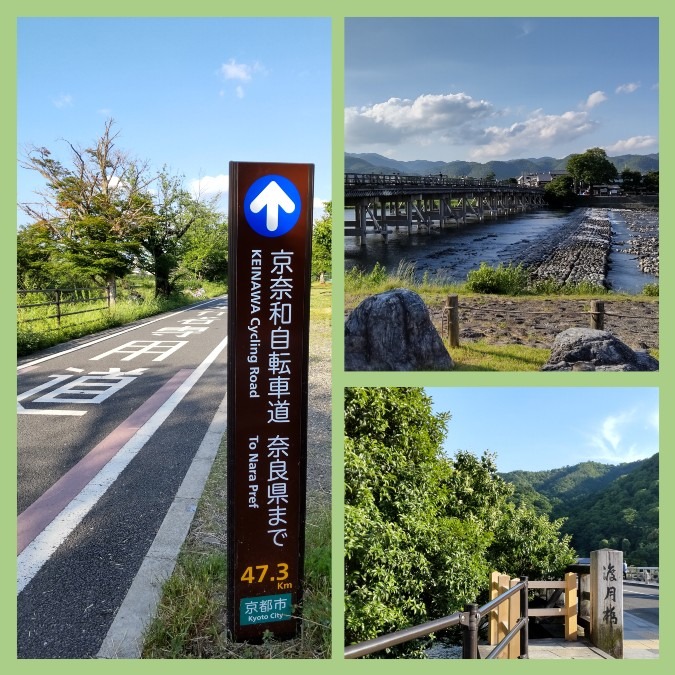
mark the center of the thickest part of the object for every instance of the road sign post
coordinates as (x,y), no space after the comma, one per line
(270,227)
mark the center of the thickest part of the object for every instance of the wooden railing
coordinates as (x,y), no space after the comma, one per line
(513,598)
(503,619)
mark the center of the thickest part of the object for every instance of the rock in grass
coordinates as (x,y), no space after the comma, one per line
(588,349)
(393,331)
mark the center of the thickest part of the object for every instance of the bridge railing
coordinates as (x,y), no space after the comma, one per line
(469,620)
(355,180)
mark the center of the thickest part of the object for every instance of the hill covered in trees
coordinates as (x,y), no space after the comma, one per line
(371,162)
(615,506)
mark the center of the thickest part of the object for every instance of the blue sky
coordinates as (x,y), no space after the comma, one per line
(537,428)
(192,94)
(485,89)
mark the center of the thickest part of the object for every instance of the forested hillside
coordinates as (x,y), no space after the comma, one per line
(502,170)
(605,506)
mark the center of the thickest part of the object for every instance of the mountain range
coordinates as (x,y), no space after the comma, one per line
(371,162)
(614,506)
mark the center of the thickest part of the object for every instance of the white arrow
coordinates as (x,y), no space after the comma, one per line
(274,198)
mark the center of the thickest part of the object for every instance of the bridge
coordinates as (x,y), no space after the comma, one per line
(385,203)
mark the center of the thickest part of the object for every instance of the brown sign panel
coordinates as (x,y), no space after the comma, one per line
(270,227)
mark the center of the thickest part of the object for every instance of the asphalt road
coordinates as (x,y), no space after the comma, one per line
(78,402)
(642,601)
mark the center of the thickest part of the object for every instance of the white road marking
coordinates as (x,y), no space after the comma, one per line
(38,552)
(30,364)
(125,636)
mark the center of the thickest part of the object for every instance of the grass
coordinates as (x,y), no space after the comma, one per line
(140,303)
(484,282)
(479,356)
(190,621)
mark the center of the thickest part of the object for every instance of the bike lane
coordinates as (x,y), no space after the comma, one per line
(69,600)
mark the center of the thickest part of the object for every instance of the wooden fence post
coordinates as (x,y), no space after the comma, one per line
(494,592)
(513,649)
(597,314)
(58,307)
(571,606)
(503,613)
(453,320)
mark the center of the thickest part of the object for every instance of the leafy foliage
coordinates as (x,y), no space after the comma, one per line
(322,237)
(560,190)
(509,280)
(423,531)
(591,167)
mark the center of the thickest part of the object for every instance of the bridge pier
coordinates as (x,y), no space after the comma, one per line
(387,202)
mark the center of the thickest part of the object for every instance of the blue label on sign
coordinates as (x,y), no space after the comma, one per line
(272,206)
(265,609)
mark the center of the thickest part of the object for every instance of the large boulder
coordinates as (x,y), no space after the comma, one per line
(393,331)
(588,349)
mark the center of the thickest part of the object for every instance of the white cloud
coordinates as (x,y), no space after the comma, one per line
(429,117)
(596,98)
(210,185)
(634,144)
(539,131)
(627,88)
(622,438)
(239,91)
(63,101)
(236,71)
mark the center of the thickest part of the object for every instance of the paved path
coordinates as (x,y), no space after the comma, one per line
(106,433)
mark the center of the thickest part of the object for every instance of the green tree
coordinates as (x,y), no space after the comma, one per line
(591,168)
(651,182)
(322,238)
(631,180)
(560,190)
(204,247)
(172,212)
(89,211)
(422,530)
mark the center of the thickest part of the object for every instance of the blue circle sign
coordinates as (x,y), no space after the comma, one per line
(272,206)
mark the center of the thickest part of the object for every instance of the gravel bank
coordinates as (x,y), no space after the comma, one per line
(580,251)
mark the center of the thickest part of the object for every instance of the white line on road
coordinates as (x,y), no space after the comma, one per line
(30,364)
(38,552)
(125,636)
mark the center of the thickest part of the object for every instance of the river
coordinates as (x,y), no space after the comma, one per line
(449,254)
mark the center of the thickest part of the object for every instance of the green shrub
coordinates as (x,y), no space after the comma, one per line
(651,290)
(510,280)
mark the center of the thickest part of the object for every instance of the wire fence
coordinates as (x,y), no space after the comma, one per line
(66,302)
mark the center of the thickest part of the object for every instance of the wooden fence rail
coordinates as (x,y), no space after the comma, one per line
(63,297)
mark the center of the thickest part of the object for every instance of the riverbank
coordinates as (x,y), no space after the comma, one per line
(627,262)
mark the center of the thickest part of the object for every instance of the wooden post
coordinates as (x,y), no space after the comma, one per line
(598,314)
(494,592)
(571,606)
(453,320)
(58,307)
(513,649)
(607,601)
(503,627)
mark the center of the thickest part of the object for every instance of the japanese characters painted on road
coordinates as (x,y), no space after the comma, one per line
(270,227)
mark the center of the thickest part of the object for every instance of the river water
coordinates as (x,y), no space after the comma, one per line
(449,254)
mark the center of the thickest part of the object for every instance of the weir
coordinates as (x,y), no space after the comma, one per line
(386,203)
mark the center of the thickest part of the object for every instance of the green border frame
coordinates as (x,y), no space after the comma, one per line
(663,380)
